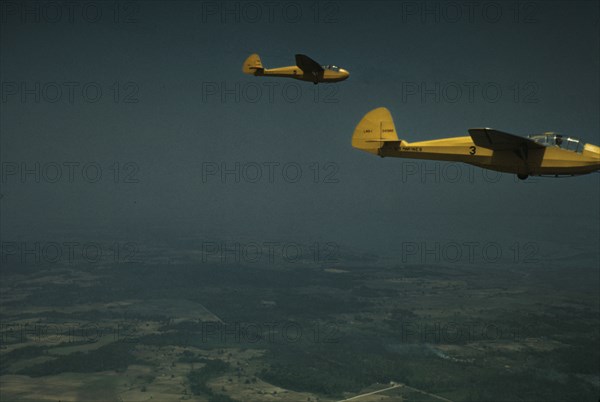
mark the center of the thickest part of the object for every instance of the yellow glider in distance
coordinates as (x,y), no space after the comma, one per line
(306,69)
(547,154)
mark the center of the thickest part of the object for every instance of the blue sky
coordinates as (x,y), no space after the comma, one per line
(174,110)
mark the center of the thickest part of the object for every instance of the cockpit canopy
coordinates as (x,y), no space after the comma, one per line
(558,140)
(331,67)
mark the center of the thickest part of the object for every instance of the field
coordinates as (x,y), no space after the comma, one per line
(179,326)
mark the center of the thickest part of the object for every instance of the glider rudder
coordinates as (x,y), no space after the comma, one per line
(252,64)
(374,130)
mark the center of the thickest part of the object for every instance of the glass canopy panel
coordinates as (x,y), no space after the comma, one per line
(561,141)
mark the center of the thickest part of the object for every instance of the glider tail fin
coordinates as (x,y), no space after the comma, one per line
(252,65)
(374,131)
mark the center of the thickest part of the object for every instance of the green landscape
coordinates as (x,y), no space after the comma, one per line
(177,326)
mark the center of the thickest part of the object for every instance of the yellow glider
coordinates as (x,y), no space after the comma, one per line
(306,69)
(547,154)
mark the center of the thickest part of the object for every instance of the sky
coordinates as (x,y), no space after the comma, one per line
(132,118)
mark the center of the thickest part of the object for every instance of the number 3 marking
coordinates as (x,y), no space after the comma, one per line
(472,150)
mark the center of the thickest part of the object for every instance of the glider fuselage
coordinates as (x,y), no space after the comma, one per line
(549,160)
(549,154)
(306,69)
(297,73)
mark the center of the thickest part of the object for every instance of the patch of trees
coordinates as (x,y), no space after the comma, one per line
(114,356)
(199,378)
